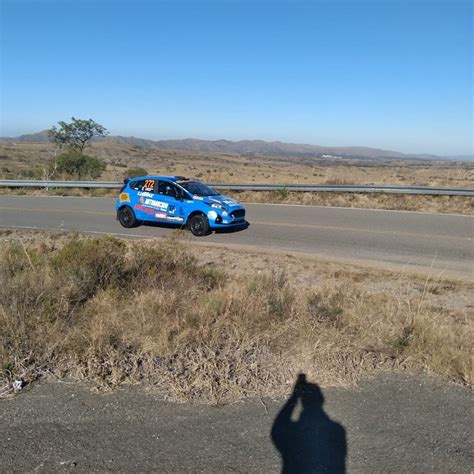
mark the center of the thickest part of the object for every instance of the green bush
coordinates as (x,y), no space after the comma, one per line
(73,163)
(280,194)
(134,172)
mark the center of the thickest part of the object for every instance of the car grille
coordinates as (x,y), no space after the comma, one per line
(238,214)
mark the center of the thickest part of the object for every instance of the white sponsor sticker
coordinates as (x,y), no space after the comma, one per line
(145,194)
(157,204)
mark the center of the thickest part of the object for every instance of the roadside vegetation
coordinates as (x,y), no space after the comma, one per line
(112,312)
(71,139)
(399,202)
(134,172)
(72,164)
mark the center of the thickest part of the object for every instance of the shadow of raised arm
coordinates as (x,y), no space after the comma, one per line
(313,443)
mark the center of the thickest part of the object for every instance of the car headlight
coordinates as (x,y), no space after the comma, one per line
(217,206)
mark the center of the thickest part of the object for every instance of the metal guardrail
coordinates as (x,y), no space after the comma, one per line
(27,183)
(347,189)
(256,187)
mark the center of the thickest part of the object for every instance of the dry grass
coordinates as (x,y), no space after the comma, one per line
(113,312)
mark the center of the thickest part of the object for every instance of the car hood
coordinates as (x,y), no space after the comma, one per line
(222,200)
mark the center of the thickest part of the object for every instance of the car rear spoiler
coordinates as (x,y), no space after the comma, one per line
(125,182)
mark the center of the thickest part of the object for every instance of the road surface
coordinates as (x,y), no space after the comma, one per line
(393,423)
(441,241)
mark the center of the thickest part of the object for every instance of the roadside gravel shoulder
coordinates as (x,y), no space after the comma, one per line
(392,423)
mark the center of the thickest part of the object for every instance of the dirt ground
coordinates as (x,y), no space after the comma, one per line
(307,272)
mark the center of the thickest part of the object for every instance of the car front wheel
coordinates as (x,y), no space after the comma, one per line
(127,217)
(199,225)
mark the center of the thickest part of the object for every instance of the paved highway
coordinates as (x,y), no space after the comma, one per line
(390,423)
(443,242)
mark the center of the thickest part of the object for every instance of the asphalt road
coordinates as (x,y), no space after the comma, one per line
(392,423)
(441,241)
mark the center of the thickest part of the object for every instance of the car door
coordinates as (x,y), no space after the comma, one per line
(140,190)
(168,192)
(149,202)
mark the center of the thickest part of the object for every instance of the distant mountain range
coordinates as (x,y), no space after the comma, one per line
(260,147)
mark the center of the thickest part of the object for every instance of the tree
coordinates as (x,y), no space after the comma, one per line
(76,134)
(76,164)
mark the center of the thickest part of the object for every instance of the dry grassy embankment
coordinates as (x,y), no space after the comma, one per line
(399,202)
(113,312)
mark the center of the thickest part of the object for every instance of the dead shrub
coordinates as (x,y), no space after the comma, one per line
(325,309)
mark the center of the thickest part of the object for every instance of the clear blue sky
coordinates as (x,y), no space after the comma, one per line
(386,73)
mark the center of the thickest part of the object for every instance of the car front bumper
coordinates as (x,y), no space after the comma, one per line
(219,219)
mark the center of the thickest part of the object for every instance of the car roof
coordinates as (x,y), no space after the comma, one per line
(167,178)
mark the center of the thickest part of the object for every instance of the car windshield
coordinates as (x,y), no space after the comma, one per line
(199,189)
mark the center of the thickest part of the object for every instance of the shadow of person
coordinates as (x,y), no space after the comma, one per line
(313,443)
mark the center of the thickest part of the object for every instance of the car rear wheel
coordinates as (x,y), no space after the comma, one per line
(199,225)
(127,217)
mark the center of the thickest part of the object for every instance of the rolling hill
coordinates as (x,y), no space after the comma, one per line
(257,147)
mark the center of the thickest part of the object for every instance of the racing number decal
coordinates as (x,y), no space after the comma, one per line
(149,184)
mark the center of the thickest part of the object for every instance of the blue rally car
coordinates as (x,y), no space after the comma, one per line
(177,200)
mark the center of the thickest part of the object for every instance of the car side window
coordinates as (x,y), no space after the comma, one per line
(138,185)
(161,187)
(148,185)
(144,185)
(167,189)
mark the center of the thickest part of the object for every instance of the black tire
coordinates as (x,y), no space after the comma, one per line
(127,217)
(199,225)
